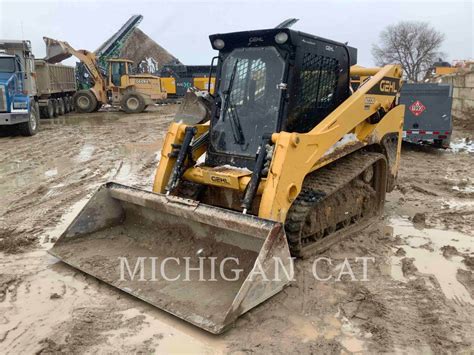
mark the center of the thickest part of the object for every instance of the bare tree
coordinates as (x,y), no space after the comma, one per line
(414,45)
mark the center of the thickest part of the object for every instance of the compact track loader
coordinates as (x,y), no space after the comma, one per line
(285,160)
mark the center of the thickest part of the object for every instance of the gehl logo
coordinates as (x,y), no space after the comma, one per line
(388,86)
(255,40)
(219,180)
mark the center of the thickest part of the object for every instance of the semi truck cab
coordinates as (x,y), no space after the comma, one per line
(17,87)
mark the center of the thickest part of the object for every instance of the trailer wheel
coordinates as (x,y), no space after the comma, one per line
(48,110)
(85,101)
(69,104)
(133,103)
(61,108)
(66,106)
(55,107)
(31,127)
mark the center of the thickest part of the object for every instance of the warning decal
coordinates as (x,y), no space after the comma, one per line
(417,108)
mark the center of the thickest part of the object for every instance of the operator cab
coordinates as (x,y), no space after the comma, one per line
(118,68)
(270,81)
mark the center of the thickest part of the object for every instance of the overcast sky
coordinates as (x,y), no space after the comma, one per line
(183,27)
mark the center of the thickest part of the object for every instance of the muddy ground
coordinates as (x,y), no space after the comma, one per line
(418,297)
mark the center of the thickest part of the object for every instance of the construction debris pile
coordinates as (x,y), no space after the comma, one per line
(141,48)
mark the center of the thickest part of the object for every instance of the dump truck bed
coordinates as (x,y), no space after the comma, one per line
(54,78)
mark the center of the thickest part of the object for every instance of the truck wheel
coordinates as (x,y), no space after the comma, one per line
(48,110)
(31,127)
(66,105)
(69,104)
(132,103)
(61,108)
(85,101)
(55,107)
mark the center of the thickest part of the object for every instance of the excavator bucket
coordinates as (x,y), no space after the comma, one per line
(203,264)
(55,51)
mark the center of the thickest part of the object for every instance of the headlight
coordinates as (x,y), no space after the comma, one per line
(281,37)
(218,43)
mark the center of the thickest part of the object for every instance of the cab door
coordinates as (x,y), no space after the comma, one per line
(116,71)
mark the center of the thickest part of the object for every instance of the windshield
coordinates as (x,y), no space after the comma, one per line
(250,99)
(7,65)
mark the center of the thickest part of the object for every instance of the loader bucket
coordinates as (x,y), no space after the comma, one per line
(195,109)
(55,51)
(204,264)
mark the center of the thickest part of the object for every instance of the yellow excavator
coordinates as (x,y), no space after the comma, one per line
(285,160)
(132,93)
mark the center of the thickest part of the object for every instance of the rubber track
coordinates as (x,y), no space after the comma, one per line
(317,187)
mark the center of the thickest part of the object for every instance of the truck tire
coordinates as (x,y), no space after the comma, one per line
(69,104)
(55,107)
(31,127)
(66,105)
(133,102)
(48,110)
(61,108)
(85,101)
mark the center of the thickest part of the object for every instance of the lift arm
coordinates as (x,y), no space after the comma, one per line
(57,51)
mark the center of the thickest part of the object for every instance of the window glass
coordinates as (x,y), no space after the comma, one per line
(250,99)
(7,65)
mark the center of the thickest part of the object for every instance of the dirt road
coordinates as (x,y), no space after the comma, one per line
(418,297)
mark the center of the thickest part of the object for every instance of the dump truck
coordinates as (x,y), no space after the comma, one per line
(119,87)
(31,88)
(427,113)
(287,161)
(56,86)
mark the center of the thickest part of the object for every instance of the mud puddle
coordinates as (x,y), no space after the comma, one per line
(428,247)
(55,304)
(91,119)
(52,307)
(18,173)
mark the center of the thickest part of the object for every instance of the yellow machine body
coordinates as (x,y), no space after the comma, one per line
(119,81)
(298,154)
(357,143)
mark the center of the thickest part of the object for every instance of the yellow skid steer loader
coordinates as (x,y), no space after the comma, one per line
(285,160)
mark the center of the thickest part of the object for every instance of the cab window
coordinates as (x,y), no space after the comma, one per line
(7,65)
(117,69)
